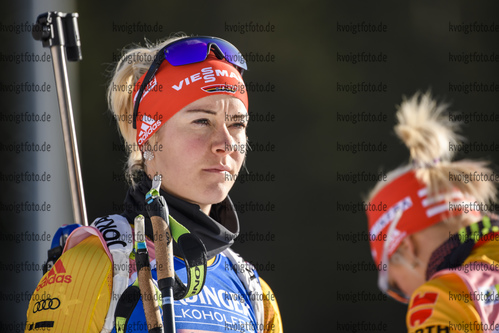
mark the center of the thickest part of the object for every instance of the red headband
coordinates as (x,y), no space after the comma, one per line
(174,87)
(419,211)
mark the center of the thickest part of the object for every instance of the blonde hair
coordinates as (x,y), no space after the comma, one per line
(135,61)
(428,134)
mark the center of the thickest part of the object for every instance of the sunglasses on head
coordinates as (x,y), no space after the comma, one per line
(397,294)
(187,51)
(386,287)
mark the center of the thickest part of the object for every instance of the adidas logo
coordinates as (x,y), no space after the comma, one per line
(148,127)
(56,275)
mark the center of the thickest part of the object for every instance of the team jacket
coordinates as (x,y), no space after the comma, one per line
(461,292)
(83,290)
(219,307)
(223,305)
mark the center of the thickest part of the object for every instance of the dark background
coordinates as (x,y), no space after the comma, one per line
(303,262)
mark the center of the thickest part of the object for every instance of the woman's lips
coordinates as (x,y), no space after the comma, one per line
(218,169)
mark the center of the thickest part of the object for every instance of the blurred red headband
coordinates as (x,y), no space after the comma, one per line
(174,87)
(407,196)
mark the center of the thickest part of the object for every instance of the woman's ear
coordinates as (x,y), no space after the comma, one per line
(409,251)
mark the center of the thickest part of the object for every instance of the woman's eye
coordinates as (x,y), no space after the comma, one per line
(203,121)
(241,125)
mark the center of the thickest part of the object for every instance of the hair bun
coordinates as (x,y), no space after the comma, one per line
(424,129)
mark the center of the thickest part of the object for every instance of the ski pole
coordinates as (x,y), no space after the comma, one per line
(158,212)
(59,32)
(149,299)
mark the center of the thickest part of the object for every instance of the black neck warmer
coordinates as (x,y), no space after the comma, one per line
(217,231)
(454,251)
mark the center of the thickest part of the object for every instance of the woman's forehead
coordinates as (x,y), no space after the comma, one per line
(217,103)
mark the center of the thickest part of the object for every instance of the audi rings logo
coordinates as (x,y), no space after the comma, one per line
(46,304)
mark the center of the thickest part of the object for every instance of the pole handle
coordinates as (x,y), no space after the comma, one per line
(164,248)
(59,31)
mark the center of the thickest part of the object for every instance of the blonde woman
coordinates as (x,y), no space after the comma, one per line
(182,109)
(436,243)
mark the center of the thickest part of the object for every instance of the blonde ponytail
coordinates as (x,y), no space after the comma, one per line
(424,130)
(428,134)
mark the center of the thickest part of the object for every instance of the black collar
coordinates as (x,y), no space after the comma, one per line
(454,251)
(217,231)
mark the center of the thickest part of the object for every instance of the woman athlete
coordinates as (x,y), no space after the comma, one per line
(187,116)
(182,109)
(437,242)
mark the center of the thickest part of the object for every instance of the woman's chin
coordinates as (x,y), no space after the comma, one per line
(215,193)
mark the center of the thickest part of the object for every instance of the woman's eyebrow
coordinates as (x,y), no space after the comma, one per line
(201,110)
(228,117)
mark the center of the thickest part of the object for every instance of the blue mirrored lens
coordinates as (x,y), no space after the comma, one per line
(192,50)
(188,52)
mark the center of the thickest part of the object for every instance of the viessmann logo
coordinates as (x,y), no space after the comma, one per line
(56,275)
(206,74)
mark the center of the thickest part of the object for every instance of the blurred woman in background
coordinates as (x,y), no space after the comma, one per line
(436,244)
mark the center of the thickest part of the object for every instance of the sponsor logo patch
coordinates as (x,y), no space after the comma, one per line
(56,275)
(422,308)
(46,304)
(220,88)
